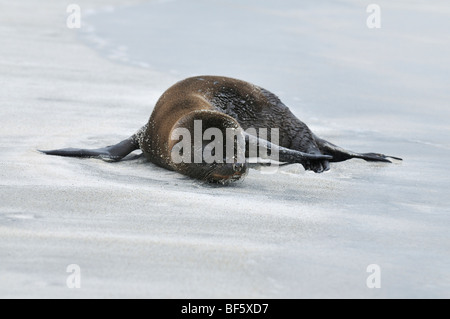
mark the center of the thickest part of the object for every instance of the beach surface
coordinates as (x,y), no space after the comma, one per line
(138,231)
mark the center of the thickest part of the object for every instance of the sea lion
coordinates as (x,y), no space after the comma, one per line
(223,103)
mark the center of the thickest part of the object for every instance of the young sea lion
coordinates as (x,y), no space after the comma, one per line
(223,103)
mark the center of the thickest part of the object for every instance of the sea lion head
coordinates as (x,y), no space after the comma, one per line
(209,145)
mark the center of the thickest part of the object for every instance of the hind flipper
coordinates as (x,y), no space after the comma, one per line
(112,153)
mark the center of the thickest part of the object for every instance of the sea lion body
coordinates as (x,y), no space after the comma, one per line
(223,103)
(251,106)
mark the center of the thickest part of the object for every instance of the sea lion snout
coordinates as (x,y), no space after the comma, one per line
(239,167)
(228,172)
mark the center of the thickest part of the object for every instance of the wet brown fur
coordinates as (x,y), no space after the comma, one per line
(250,105)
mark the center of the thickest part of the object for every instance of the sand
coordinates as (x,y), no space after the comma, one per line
(138,231)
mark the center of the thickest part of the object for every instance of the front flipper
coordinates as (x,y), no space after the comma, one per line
(374,157)
(315,162)
(112,153)
(339,154)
